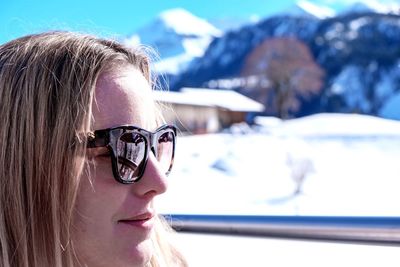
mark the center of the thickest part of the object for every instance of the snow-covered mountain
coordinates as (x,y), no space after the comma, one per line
(304,8)
(358,7)
(177,36)
(226,24)
(358,52)
(372,6)
(361,55)
(357,49)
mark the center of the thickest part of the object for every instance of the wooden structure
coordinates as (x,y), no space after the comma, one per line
(201,110)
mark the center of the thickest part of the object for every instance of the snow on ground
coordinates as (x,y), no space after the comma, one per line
(391,109)
(325,164)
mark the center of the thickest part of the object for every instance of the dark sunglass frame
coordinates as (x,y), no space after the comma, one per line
(109,138)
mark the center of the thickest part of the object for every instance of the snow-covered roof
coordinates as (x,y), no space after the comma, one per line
(178,98)
(226,99)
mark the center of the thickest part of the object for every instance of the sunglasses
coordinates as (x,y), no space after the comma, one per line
(129,148)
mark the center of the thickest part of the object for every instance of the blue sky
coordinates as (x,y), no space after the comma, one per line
(120,18)
(18,17)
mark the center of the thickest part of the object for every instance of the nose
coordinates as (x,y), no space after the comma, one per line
(153,181)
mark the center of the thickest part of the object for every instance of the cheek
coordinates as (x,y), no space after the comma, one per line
(96,237)
(95,208)
(97,200)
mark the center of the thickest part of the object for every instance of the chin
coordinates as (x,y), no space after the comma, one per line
(140,255)
(137,255)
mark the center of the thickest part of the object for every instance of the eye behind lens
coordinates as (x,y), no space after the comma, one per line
(131,153)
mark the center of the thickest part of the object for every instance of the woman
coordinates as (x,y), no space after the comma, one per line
(82,156)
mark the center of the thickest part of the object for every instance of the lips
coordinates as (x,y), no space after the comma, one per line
(143,220)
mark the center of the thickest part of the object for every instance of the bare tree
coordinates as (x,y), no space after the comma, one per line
(285,70)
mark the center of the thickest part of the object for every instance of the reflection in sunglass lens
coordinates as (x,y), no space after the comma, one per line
(165,150)
(130,154)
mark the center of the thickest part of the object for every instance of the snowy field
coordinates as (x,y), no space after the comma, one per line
(325,164)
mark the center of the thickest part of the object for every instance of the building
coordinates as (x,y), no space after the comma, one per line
(201,110)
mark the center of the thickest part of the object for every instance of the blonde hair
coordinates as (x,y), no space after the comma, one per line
(47,84)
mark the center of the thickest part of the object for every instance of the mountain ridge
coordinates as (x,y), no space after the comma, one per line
(177,37)
(358,51)
(358,47)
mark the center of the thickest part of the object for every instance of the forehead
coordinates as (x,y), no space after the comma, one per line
(123,96)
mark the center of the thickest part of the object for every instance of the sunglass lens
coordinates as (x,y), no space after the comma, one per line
(165,150)
(131,153)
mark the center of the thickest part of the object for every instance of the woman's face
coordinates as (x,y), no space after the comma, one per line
(113,222)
